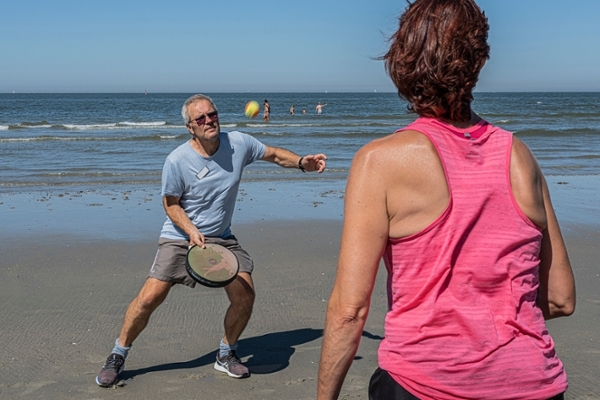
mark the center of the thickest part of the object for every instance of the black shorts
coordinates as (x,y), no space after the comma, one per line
(383,387)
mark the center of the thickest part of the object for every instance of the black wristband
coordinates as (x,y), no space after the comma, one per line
(300,164)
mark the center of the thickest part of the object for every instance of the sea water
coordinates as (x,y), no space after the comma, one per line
(51,141)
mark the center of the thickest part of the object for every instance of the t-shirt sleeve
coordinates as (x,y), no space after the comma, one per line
(256,149)
(172,184)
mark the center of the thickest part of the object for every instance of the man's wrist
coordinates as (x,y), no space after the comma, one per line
(300,164)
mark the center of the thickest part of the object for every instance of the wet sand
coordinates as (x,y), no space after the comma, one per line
(71,261)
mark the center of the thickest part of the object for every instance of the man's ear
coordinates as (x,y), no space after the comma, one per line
(189,128)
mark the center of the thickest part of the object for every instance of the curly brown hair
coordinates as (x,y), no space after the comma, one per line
(436,55)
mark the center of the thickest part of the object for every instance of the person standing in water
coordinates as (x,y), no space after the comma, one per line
(266,111)
(319,108)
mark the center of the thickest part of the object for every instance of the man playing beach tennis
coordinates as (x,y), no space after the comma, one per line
(200,181)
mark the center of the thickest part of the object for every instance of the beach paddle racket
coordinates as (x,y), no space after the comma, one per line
(213,266)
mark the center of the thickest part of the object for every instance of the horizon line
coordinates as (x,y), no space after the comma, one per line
(301,92)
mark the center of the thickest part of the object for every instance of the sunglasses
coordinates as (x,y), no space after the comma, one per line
(214,116)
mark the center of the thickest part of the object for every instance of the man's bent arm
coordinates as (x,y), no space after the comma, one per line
(181,219)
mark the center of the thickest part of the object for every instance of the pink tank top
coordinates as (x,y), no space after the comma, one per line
(462,321)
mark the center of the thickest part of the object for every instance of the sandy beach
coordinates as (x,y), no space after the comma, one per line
(73,260)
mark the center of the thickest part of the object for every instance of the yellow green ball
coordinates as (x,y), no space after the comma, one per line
(252,109)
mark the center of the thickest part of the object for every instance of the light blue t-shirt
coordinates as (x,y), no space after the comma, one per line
(208,186)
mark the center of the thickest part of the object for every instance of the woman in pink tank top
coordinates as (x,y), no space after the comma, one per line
(461,214)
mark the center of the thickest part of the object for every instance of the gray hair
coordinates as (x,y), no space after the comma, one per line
(195,98)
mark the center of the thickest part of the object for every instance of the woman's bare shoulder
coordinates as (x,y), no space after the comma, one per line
(527,182)
(397,147)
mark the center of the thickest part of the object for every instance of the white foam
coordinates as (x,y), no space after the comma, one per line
(260,125)
(37,139)
(119,125)
(35,126)
(300,125)
(143,124)
(3,127)
(88,127)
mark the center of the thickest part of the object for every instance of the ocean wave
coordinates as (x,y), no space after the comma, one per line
(97,126)
(143,124)
(25,125)
(117,125)
(556,132)
(325,124)
(86,127)
(93,138)
(127,125)
(586,157)
(40,124)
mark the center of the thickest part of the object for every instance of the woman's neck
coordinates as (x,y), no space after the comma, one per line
(463,124)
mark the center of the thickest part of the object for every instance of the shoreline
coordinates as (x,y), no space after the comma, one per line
(132,213)
(137,213)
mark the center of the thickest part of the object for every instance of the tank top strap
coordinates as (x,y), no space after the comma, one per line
(479,154)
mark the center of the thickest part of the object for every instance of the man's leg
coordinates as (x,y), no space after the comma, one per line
(152,294)
(241,297)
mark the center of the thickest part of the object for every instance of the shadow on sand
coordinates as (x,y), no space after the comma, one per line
(267,353)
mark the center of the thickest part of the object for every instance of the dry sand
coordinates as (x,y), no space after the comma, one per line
(64,290)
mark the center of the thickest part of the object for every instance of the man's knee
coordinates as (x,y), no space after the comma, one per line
(152,294)
(250,296)
(241,291)
(148,303)
(241,298)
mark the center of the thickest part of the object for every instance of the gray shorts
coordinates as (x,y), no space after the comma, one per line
(169,263)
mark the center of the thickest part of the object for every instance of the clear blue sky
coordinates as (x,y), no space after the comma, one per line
(273,45)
